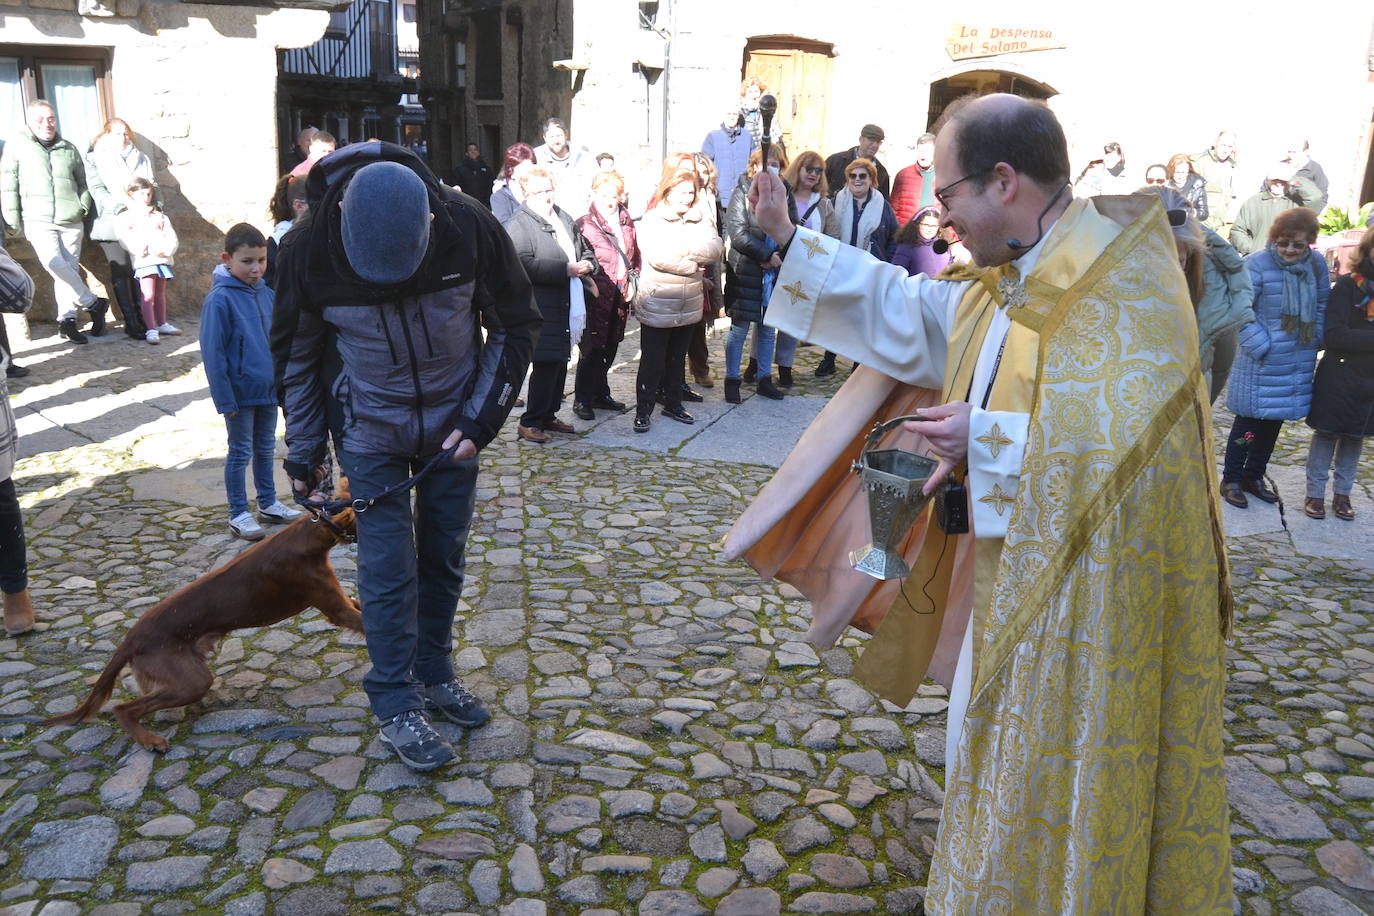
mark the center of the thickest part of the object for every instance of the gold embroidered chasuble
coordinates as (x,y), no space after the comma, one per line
(1089,776)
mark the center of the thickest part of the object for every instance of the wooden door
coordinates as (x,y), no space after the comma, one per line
(800,79)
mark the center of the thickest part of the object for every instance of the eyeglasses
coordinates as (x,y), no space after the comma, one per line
(812,169)
(1154,181)
(858,176)
(942,194)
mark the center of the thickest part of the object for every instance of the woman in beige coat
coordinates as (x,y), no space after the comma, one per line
(676,242)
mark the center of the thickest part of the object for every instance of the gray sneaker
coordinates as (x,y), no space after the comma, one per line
(245,526)
(456,703)
(279,514)
(415,741)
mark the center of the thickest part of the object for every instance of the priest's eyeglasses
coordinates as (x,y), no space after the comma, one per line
(942,193)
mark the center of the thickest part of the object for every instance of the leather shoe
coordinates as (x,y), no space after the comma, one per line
(704,381)
(610,404)
(531,434)
(690,395)
(1341,506)
(558,426)
(14,370)
(1314,508)
(1232,493)
(1259,489)
(641,422)
(679,415)
(583,411)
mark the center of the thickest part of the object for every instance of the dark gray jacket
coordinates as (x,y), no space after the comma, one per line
(393,370)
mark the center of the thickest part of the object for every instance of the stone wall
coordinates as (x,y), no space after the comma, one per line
(197,83)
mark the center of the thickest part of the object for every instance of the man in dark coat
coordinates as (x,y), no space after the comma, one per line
(383,293)
(474,176)
(870,141)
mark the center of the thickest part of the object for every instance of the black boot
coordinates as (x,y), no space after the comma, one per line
(98,311)
(732,391)
(67,328)
(768,389)
(129,301)
(785,376)
(826,366)
(751,372)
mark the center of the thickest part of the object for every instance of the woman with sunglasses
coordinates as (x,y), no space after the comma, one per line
(1189,183)
(815,211)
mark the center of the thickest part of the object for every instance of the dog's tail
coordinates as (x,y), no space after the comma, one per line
(100,692)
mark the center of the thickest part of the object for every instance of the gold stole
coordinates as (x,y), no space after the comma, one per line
(897,658)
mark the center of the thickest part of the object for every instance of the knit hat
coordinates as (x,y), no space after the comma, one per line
(873,132)
(385,224)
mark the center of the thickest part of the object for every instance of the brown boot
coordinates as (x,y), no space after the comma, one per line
(18,613)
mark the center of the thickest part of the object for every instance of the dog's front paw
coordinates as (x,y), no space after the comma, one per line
(155,743)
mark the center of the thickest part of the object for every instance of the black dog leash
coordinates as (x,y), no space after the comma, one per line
(324,512)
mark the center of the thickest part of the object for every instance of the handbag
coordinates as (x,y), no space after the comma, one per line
(16,287)
(631,289)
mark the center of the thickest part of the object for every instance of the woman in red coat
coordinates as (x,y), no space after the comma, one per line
(610,231)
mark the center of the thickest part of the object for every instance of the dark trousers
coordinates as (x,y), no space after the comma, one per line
(125,288)
(410,573)
(662,359)
(545,394)
(14,568)
(698,357)
(1247,459)
(592,369)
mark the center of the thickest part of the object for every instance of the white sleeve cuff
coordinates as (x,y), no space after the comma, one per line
(996,444)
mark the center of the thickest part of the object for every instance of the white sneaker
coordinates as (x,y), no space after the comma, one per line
(169,330)
(151,336)
(245,526)
(279,514)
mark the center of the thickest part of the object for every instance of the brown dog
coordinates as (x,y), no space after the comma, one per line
(275,579)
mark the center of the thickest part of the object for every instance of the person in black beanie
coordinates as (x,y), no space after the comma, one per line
(383,293)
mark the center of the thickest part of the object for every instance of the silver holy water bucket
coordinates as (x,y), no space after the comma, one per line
(893,478)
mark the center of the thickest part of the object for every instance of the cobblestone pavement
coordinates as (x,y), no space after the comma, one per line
(663,743)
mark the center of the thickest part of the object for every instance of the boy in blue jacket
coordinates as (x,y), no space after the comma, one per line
(234,325)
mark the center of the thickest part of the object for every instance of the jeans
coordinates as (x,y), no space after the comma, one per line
(592,369)
(59,251)
(1346,450)
(545,394)
(662,359)
(1248,459)
(14,569)
(734,347)
(410,573)
(785,351)
(252,435)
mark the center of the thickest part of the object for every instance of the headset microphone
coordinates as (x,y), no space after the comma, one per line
(1015,244)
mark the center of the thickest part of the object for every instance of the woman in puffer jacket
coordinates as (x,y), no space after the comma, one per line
(1271,379)
(676,242)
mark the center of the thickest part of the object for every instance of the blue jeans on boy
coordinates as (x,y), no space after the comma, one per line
(734,347)
(410,573)
(252,436)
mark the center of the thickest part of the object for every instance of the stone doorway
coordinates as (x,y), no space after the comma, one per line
(982,82)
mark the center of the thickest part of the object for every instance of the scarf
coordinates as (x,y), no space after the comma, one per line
(1299,315)
(869,219)
(1364,289)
